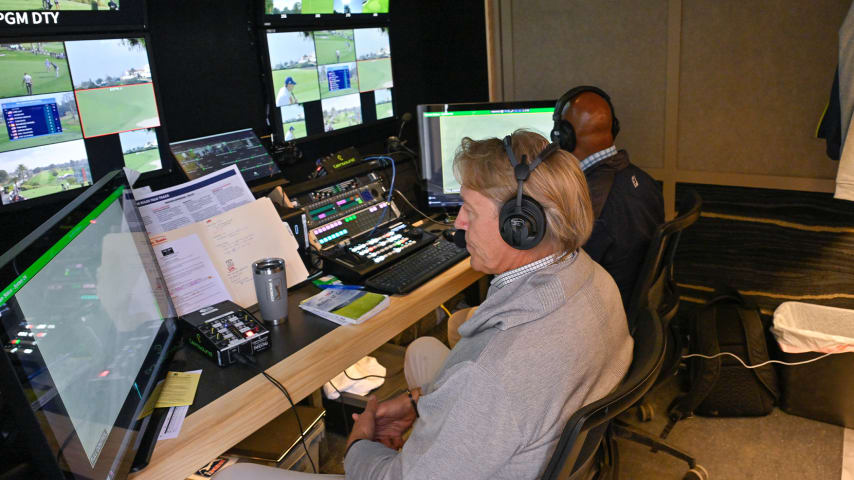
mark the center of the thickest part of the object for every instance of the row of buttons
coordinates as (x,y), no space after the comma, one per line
(333,236)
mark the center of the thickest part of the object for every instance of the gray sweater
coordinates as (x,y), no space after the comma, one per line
(535,351)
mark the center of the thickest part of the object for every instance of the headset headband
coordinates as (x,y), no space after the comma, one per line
(574,92)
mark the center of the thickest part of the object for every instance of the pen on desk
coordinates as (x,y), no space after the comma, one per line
(342,287)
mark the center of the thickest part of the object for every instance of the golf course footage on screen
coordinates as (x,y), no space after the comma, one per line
(373,55)
(289,7)
(56,5)
(113,85)
(56,94)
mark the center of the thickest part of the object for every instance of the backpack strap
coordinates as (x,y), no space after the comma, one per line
(706,373)
(757,349)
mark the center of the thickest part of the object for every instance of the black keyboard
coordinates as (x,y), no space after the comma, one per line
(412,271)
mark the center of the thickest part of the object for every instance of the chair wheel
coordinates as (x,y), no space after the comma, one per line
(699,472)
(646,412)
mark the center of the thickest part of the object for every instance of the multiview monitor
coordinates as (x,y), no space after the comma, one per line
(200,156)
(73,110)
(86,324)
(442,127)
(329,80)
(339,12)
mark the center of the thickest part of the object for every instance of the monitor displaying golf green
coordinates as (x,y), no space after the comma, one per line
(59,99)
(351,66)
(321,7)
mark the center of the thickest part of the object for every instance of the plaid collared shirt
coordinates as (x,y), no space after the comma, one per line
(597,157)
(509,276)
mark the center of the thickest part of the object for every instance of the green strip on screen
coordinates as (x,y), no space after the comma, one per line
(487,112)
(53,251)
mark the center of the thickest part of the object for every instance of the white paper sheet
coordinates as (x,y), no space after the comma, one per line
(194,201)
(192,280)
(174,419)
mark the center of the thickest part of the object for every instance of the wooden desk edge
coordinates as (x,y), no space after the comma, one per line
(205,435)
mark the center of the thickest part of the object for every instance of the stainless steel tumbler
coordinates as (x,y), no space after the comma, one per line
(271,289)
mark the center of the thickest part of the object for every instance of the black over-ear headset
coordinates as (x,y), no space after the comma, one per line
(563,133)
(522,219)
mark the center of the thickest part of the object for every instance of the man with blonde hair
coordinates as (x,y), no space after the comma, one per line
(550,337)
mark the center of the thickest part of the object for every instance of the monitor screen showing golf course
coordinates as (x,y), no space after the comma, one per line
(325,64)
(314,7)
(65,5)
(55,95)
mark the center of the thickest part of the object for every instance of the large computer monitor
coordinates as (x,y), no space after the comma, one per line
(327,80)
(74,109)
(201,156)
(86,323)
(441,128)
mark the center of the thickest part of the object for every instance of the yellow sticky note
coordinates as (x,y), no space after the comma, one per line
(179,389)
(149,404)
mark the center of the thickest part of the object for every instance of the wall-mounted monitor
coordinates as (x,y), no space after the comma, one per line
(323,12)
(442,127)
(19,17)
(328,80)
(74,109)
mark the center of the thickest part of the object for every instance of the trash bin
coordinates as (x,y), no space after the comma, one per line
(822,390)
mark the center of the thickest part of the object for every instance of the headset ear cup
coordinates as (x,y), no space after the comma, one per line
(615,124)
(525,229)
(567,136)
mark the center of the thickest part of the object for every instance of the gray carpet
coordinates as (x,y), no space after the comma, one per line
(776,447)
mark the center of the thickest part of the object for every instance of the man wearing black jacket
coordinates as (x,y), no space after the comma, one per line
(627,203)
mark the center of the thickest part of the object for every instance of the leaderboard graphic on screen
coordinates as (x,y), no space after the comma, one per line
(56,5)
(326,64)
(290,7)
(55,95)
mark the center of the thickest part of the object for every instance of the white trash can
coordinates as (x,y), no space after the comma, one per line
(822,390)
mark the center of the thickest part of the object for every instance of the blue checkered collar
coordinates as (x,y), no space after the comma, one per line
(597,157)
(509,276)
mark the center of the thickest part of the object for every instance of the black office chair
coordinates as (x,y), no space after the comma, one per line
(656,285)
(586,449)
(656,290)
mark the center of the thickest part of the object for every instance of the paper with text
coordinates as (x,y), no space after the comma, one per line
(235,239)
(192,280)
(194,201)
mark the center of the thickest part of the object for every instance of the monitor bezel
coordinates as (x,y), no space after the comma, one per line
(49,453)
(166,160)
(275,115)
(425,139)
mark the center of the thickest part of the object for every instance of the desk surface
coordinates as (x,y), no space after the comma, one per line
(223,422)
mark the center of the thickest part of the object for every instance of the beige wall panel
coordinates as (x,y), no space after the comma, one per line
(617,45)
(754,79)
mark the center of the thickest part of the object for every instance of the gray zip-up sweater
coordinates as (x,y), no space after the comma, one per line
(535,351)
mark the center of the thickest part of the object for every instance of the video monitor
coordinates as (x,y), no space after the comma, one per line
(65,102)
(56,16)
(86,323)
(441,128)
(348,71)
(201,156)
(285,12)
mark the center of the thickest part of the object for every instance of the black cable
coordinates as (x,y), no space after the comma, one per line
(362,378)
(347,426)
(251,363)
(420,212)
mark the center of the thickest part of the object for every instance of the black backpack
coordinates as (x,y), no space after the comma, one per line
(723,387)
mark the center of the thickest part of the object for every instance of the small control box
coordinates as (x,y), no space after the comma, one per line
(221,330)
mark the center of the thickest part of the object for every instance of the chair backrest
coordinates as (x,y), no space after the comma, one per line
(656,274)
(582,433)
